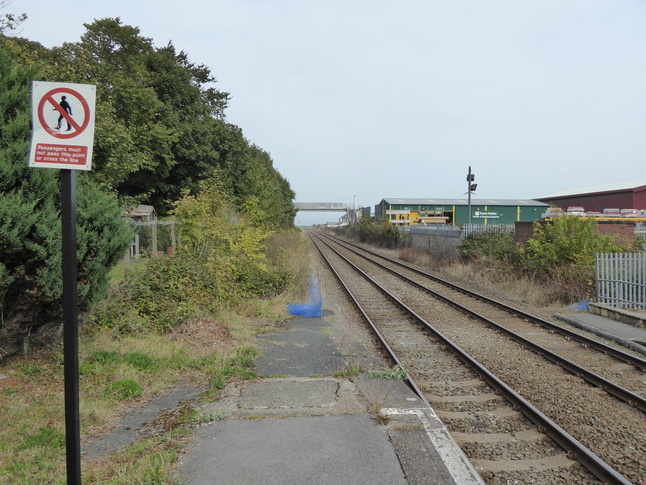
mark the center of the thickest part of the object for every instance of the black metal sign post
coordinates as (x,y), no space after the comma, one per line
(70,327)
(69,151)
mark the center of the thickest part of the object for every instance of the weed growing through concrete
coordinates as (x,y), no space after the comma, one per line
(201,418)
(374,409)
(382,372)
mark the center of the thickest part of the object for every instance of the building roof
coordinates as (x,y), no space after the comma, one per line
(500,202)
(141,211)
(615,187)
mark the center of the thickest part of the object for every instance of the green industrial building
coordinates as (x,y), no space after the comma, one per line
(406,212)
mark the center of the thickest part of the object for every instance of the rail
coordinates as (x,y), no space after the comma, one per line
(576,449)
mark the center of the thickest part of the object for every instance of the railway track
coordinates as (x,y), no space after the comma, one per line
(519,417)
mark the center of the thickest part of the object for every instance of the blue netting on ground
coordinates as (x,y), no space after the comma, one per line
(582,305)
(314,307)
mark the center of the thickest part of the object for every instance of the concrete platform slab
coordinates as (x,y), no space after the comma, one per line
(289,394)
(319,450)
(290,351)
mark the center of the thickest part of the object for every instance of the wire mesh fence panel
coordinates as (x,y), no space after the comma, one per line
(621,279)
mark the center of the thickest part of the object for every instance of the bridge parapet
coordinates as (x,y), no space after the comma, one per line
(322,206)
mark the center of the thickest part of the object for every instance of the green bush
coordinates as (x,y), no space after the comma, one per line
(568,241)
(30,225)
(563,253)
(500,247)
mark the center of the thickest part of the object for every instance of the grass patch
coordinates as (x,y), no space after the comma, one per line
(351,371)
(46,438)
(123,390)
(115,371)
(229,369)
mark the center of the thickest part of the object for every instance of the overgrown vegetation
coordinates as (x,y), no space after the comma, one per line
(555,267)
(127,357)
(498,247)
(560,256)
(161,139)
(383,234)
(226,261)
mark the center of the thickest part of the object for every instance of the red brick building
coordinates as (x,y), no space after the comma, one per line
(626,195)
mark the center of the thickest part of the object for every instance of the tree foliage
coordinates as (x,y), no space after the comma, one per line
(160,124)
(30,224)
(161,138)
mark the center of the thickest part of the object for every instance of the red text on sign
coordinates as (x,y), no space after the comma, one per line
(67,154)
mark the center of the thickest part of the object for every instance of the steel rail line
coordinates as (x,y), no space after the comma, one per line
(600,346)
(575,449)
(608,386)
(382,340)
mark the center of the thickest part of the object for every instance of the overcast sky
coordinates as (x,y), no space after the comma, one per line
(360,100)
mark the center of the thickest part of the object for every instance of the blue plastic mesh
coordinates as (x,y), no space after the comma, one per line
(582,305)
(314,307)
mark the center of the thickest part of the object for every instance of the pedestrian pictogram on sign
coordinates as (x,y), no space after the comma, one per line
(63,120)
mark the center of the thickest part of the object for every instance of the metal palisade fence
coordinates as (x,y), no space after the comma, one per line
(621,279)
(468,229)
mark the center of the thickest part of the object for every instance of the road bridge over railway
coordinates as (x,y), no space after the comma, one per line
(327,207)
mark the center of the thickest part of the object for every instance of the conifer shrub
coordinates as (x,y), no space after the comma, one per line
(30,226)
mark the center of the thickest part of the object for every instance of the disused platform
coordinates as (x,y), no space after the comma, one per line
(300,424)
(622,327)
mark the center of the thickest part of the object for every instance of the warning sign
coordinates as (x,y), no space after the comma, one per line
(66,154)
(63,121)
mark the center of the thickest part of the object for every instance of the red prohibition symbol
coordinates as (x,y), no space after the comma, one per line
(49,98)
